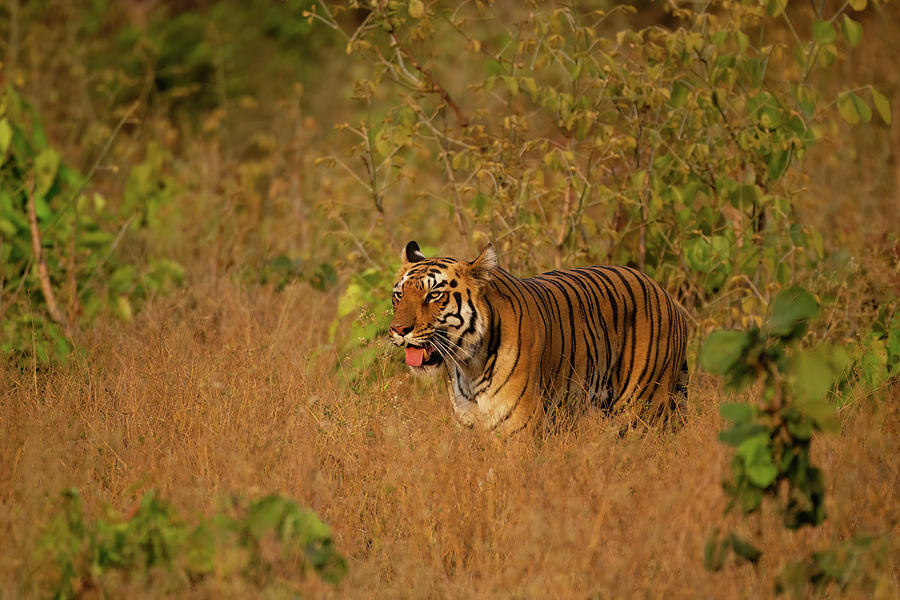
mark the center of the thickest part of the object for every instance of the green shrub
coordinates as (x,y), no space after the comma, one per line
(154,544)
(81,270)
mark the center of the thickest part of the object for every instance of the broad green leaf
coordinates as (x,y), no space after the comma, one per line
(530,84)
(822,414)
(853,109)
(745,196)
(882,105)
(745,549)
(851,30)
(264,515)
(800,426)
(96,238)
(846,108)
(858,5)
(738,412)
(738,434)
(722,349)
(382,143)
(698,254)
(751,498)
(758,463)
(862,109)
(776,7)
(6,134)
(823,32)
(778,164)
(806,503)
(416,9)
(7,228)
(46,165)
(351,300)
(511,84)
(679,95)
(828,55)
(812,375)
(790,311)
(806,98)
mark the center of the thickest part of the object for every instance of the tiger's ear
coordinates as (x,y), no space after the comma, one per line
(480,268)
(411,254)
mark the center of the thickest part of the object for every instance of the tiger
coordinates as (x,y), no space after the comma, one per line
(513,348)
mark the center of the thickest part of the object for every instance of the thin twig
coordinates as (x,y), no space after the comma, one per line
(43,272)
(432,84)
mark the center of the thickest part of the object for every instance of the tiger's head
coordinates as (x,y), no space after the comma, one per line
(438,307)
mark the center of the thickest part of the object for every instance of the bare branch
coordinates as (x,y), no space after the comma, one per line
(43,272)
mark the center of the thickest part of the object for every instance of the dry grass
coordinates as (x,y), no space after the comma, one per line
(222,390)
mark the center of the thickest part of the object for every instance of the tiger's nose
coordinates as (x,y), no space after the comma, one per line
(401,330)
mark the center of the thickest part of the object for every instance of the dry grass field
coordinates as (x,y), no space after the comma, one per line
(217,390)
(229,387)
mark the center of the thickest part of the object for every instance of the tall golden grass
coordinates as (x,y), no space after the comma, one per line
(226,387)
(221,390)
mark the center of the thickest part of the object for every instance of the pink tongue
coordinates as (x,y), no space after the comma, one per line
(414,356)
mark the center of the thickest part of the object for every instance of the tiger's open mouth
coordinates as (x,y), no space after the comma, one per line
(422,356)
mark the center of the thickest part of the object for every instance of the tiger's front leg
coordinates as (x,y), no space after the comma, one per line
(465,410)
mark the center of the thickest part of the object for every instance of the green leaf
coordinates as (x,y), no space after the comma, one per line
(722,349)
(697,254)
(806,501)
(745,549)
(758,463)
(416,9)
(264,515)
(751,498)
(351,300)
(812,375)
(800,426)
(511,84)
(853,109)
(778,164)
(791,310)
(858,5)
(862,109)
(823,32)
(6,134)
(123,308)
(679,95)
(737,411)
(882,105)
(740,433)
(776,7)
(46,165)
(847,109)
(530,84)
(851,30)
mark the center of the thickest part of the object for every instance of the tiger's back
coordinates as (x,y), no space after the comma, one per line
(608,335)
(515,349)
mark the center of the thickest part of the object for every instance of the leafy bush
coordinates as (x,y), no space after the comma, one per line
(154,543)
(59,245)
(669,149)
(850,562)
(772,437)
